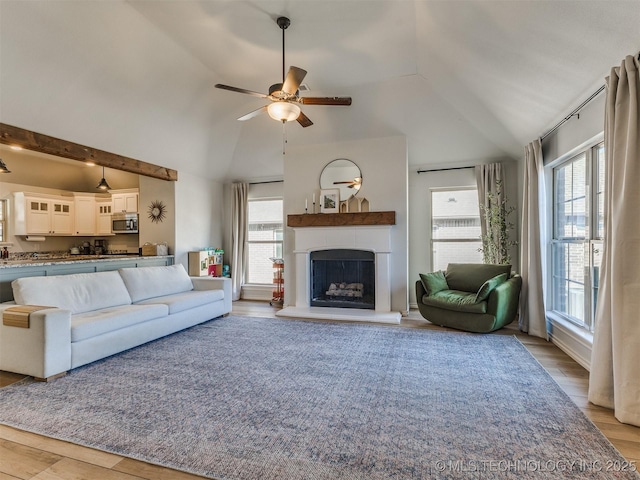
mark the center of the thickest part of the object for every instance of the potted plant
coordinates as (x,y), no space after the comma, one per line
(496,242)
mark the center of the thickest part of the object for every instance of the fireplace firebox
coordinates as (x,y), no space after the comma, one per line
(343,278)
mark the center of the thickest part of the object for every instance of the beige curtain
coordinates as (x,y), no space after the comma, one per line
(487,178)
(532,259)
(614,380)
(238,235)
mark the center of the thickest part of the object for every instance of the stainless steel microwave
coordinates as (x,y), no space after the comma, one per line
(124,223)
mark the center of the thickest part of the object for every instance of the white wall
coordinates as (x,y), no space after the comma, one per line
(383,162)
(152,190)
(198,203)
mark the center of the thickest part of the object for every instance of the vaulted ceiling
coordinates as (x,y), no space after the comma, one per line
(465,81)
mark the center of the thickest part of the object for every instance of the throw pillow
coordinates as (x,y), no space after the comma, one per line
(488,286)
(434,282)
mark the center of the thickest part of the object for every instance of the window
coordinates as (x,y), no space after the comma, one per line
(578,228)
(455,226)
(265,232)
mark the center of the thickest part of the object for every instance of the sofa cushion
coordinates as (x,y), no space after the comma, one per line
(79,292)
(488,286)
(149,282)
(434,282)
(186,300)
(91,324)
(455,300)
(469,277)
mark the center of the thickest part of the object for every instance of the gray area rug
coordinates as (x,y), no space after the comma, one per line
(252,398)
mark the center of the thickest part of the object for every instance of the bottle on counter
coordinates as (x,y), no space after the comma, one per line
(5,253)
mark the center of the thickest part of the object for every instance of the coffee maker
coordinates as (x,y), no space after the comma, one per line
(100,246)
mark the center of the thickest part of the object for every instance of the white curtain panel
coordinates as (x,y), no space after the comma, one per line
(238,236)
(614,380)
(486,178)
(532,259)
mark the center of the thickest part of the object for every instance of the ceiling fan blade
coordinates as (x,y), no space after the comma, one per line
(325,100)
(294,78)
(240,90)
(255,113)
(304,120)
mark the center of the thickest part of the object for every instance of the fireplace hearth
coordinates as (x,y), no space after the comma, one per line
(342,278)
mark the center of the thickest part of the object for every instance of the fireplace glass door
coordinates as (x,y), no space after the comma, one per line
(342,278)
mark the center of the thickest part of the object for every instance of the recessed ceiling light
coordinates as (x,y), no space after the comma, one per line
(15,147)
(90,164)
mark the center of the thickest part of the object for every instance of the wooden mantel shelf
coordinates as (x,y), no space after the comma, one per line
(341,219)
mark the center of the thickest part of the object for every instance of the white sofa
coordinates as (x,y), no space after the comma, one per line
(95,315)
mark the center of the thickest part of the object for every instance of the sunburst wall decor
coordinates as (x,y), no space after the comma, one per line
(157,211)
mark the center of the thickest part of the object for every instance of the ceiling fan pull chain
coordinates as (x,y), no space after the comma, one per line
(284,137)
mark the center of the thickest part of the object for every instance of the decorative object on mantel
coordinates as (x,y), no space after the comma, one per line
(329,200)
(354,204)
(157,211)
(342,219)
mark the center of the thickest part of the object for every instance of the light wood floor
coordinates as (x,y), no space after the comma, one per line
(28,456)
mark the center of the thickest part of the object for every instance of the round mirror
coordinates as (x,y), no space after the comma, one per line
(342,174)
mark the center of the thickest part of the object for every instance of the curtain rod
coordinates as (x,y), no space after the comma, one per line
(268,181)
(573,113)
(444,169)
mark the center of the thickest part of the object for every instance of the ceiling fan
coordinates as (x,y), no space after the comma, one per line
(355,183)
(285,96)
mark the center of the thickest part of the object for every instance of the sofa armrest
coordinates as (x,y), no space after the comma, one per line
(420,291)
(42,350)
(504,299)
(215,283)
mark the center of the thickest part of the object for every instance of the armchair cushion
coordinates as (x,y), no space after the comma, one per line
(488,286)
(455,300)
(434,282)
(469,277)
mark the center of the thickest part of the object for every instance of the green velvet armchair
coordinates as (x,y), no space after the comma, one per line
(473,297)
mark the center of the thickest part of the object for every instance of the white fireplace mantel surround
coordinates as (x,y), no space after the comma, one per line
(373,238)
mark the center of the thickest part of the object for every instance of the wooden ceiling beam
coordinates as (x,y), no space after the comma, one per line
(10,135)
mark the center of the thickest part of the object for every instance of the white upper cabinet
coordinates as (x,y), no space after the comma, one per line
(85,214)
(125,201)
(104,209)
(39,214)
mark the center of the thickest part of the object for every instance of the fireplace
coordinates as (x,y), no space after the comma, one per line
(343,278)
(371,244)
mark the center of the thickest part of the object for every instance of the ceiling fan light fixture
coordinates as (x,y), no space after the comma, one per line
(283,111)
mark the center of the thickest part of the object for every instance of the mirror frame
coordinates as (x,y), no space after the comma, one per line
(345,190)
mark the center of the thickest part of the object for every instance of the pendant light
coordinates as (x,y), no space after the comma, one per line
(103,185)
(3,167)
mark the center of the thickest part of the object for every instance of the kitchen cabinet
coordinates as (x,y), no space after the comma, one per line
(125,201)
(40,214)
(79,214)
(85,214)
(104,208)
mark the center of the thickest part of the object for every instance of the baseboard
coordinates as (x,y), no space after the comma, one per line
(257,292)
(572,341)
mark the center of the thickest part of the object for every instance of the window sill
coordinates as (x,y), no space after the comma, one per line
(570,338)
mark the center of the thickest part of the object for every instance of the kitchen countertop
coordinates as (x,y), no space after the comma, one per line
(39,262)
